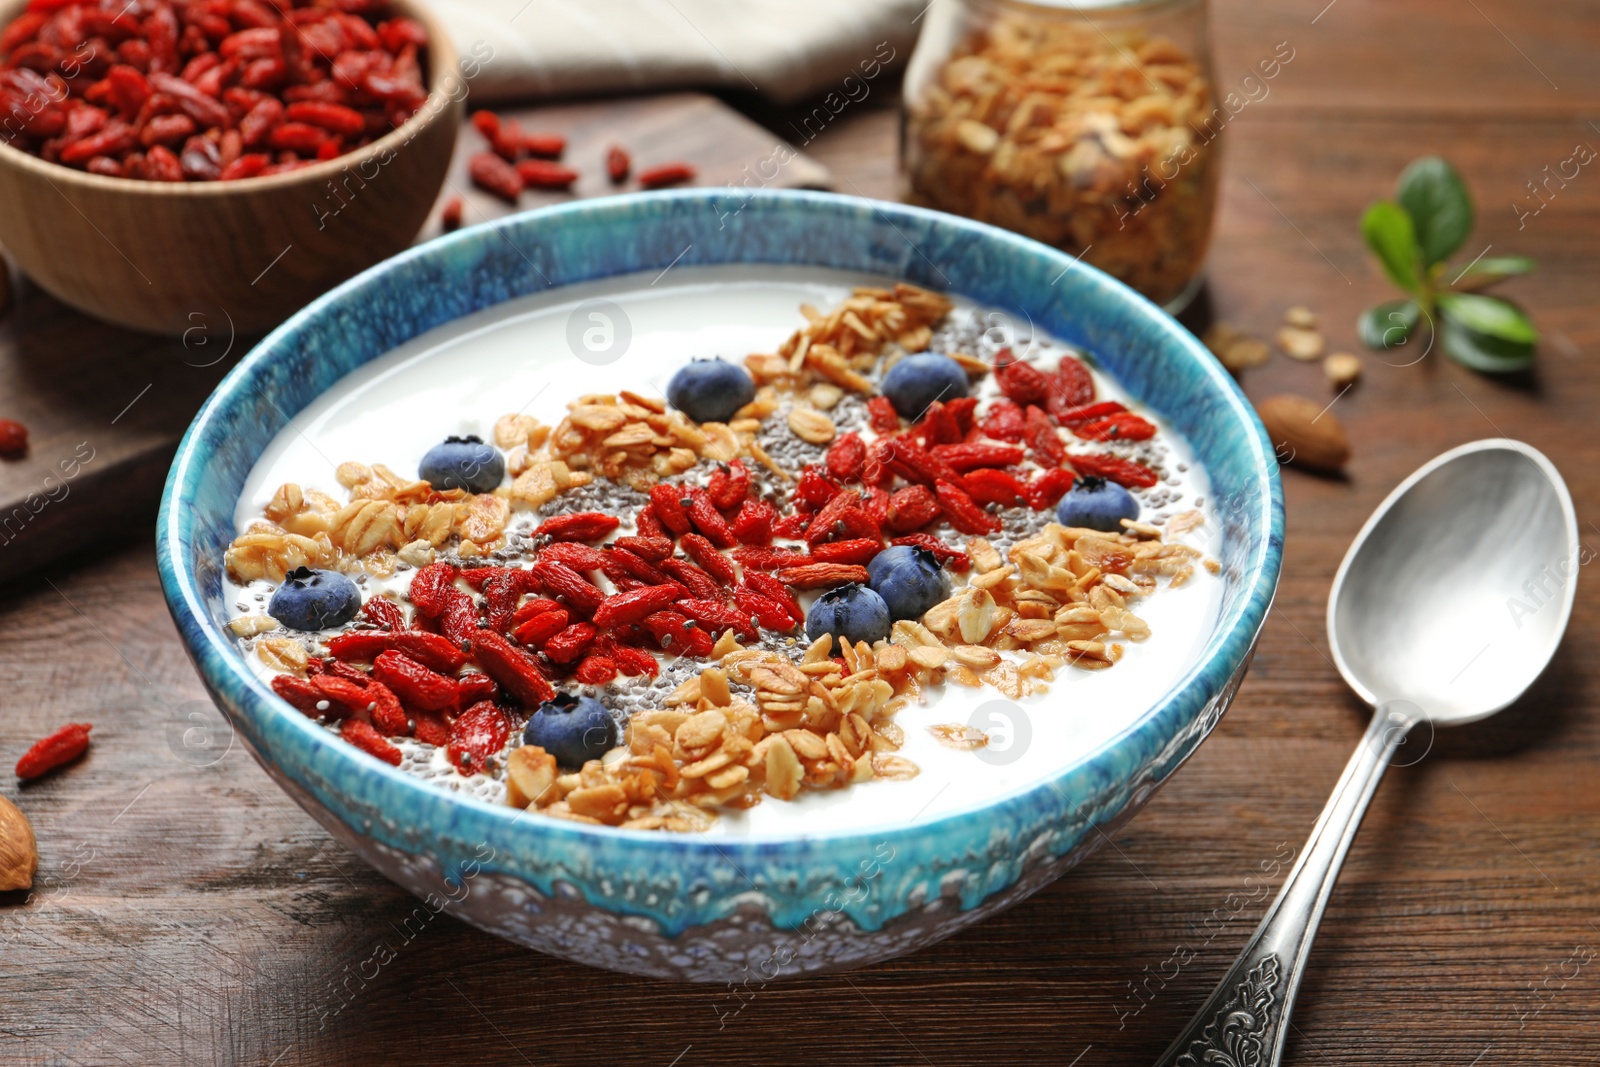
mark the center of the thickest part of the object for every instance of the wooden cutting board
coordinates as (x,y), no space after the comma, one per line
(105,408)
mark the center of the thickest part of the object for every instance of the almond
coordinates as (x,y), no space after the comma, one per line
(19,852)
(1304,433)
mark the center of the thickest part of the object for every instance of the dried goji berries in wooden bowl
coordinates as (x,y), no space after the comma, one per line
(165,164)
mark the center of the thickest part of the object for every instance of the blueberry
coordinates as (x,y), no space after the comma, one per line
(573,729)
(710,390)
(463,463)
(909,579)
(1097,504)
(314,600)
(916,382)
(852,612)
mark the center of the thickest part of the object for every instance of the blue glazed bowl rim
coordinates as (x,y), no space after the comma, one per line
(224,670)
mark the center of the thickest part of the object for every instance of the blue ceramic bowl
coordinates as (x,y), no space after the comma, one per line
(682,906)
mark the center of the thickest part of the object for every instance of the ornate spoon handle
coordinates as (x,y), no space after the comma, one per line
(1246,1020)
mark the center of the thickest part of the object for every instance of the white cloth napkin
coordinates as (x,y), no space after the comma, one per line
(785,50)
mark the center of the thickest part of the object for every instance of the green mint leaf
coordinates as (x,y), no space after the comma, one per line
(1389,233)
(1390,324)
(1489,315)
(1490,269)
(1436,198)
(1481,351)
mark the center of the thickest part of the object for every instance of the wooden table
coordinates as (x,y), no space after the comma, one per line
(193,915)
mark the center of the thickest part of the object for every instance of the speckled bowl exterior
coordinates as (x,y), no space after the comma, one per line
(683,906)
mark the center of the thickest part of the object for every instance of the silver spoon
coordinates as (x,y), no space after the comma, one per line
(1450,602)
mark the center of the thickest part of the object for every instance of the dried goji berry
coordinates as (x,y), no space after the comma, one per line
(707,519)
(431,650)
(813,490)
(821,575)
(855,550)
(670,502)
(13,438)
(579,557)
(361,735)
(1043,440)
(792,527)
(938,425)
(1004,422)
(618,164)
(769,559)
(650,549)
(916,464)
(48,753)
(825,524)
(619,563)
(544,174)
(430,727)
(1022,382)
(345,121)
(666,174)
(1047,488)
(1125,426)
(494,175)
(339,669)
(1070,386)
(298,692)
(459,621)
(964,409)
(753,525)
(713,562)
(428,587)
(450,215)
(531,608)
(534,632)
(976,454)
(988,486)
(882,416)
(549,145)
(648,524)
(875,502)
(769,587)
(569,644)
(478,733)
(500,595)
(413,683)
(578,526)
(514,669)
(1088,412)
(674,633)
(912,508)
(963,513)
(631,661)
(696,581)
(384,613)
(766,611)
(474,686)
(567,585)
(596,670)
(716,616)
(729,485)
(845,457)
(1125,472)
(622,608)
(946,554)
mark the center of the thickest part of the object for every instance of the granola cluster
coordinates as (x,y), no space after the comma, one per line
(1092,141)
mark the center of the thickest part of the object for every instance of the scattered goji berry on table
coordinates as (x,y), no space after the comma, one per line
(548,145)
(666,174)
(618,163)
(545,174)
(48,753)
(450,216)
(494,175)
(13,438)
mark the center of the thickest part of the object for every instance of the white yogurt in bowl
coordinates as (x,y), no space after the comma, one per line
(533,356)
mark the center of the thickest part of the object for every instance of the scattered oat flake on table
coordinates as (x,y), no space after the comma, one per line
(1342,368)
(1302,317)
(1235,349)
(1300,343)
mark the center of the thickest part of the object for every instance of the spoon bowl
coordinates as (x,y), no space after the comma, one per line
(1456,592)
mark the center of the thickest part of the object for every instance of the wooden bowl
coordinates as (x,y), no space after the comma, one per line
(163,257)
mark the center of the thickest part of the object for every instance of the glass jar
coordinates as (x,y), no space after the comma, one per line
(1090,125)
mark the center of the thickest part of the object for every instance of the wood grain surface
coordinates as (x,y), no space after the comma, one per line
(192,915)
(106,407)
